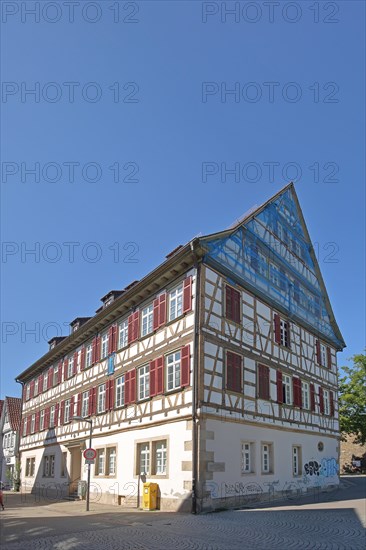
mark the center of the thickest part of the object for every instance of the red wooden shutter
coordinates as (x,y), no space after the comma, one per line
(233,371)
(228,302)
(29,425)
(133,386)
(236,305)
(36,429)
(296,385)
(331,399)
(107,390)
(152,375)
(277,329)
(75,364)
(31,393)
(156,314)
(329,358)
(162,309)
(112,339)
(321,400)
(263,382)
(57,409)
(72,406)
(187,294)
(47,418)
(65,368)
(40,383)
(312,397)
(160,374)
(130,330)
(318,354)
(111,395)
(62,413)
(59,373)
(90,403)
(97,349)
(127,388)
(279,387)
(82,359)
(159,311)
(94,350)
(133,326)
(288,334)
(185,366)
(79,404)
(50,378)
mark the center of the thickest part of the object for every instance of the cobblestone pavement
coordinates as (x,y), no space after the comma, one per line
(334,524)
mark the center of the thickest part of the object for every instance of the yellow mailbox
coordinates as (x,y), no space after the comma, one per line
(150,496)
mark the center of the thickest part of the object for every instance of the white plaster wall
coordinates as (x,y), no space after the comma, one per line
(227,448)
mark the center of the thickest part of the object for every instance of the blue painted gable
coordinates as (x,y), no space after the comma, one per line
(270,252)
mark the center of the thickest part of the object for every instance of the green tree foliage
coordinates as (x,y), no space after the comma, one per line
(352,399)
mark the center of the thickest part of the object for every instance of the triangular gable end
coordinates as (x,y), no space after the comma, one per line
(271,253)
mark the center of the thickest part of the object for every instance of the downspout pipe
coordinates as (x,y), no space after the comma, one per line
(195,418)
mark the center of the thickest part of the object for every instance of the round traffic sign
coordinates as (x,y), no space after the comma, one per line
(90,454)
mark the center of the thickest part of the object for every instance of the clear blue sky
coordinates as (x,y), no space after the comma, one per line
(167,124)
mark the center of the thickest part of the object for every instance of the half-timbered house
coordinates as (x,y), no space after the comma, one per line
(215,376)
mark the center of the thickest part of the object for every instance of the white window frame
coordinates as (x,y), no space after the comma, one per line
(123,334)
(36,384)
(85,404)
(323,355)
(296,460)
(111,462)
(287,389)
(88,355)
(176,302)
(41,420)
(326,400)
(262,264)
(104,345)
(30,466)
(305,395)
(284,332)
(27,392)
(274,274)
(160,457)
(33,424)
(144,382)
(120,391)
(144,461)
(101,398)
(52,416)
(55,375)
(70,367)
(147,320)
(67,411)
(100,462)
(267,458)
(247,457)
(173,371)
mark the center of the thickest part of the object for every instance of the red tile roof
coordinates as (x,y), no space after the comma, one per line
(14,408)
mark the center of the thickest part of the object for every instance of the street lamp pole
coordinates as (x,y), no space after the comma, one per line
(82,419)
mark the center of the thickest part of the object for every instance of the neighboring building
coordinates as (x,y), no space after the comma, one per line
(215,375)
(10,417)
(352,456)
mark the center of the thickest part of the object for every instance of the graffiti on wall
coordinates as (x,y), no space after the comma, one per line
(328,467)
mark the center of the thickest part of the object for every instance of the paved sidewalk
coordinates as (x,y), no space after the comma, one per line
(335,523)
